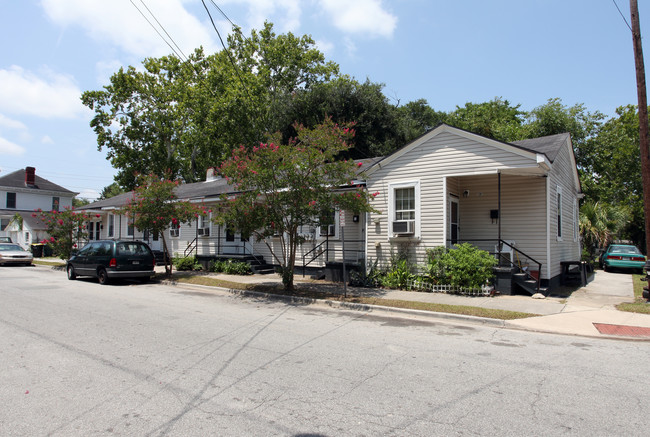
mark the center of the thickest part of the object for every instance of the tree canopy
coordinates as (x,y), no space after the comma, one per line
(282,187)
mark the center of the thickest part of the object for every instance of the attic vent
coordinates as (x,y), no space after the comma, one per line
(30,176)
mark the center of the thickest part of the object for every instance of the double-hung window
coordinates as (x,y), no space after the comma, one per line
(11,200)
(404,209)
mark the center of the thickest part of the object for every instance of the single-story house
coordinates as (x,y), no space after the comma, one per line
(518,200)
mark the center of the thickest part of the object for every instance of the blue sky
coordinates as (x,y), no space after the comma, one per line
(447,52)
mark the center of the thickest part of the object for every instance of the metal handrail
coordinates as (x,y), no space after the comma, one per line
(191,246)
(315,257)
(501,242)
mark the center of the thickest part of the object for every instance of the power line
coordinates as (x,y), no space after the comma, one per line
(156,30)
(622,16)
(163,28)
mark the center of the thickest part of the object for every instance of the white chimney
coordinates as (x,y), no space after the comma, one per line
(212,175)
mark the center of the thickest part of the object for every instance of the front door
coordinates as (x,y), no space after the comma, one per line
(453,220)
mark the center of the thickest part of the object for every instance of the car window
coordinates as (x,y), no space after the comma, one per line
(625,249)
(85,250)
(7,247)
(132,249)
(103,249)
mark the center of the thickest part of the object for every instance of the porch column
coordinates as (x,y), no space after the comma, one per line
(499,213)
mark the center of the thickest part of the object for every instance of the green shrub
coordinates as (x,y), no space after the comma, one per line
(464,266)
(184,263)
(372,277)
(399,272)
(230,267)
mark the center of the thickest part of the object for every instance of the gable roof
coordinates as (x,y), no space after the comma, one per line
(549,145)
(16,179)
(517,149)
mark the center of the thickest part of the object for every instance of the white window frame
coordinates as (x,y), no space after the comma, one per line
(130,228)
(203,222)
(336,224)
(558,228)
(111,226)
(175,227)
(392,187)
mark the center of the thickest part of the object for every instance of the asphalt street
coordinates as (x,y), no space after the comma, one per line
(79,359)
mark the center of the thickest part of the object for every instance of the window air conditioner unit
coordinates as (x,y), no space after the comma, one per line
(327,231)
(174,232)
(404,227)
(204,232)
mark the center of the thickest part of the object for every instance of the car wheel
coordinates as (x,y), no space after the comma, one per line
(102,277)
(71,274)
(605,268)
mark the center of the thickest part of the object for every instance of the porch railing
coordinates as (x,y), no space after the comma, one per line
(519,259)
(330,252)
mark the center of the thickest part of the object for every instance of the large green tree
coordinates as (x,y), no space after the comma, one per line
(180,117)
(497,119)
(282,187)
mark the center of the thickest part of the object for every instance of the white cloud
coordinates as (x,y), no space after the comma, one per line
(284,14)
(89,194)
(324,46)
(51,96)
(106,69)
(367,17)
(9,148)
(47,140)
(6,122)
(120,23)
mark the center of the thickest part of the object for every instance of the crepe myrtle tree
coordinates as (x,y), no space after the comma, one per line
(154,206)
(281,187)
(65,228)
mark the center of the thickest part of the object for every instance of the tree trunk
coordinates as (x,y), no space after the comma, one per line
(166,257)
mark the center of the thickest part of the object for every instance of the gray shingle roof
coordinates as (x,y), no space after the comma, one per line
(549,145)
(16,179)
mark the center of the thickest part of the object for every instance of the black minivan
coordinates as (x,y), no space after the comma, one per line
(110,259)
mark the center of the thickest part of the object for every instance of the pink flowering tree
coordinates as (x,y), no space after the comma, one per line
(66,229)
(154,206)
(281,187)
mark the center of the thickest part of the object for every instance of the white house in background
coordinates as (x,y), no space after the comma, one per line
(22,192)
(449,186)
(517,200)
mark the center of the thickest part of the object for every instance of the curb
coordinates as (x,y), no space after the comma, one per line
(335,304)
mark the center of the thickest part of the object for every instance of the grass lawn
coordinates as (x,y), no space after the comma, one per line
(49,261)
(309,292)
(640,305)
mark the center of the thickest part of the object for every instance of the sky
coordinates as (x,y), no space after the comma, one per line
(447,52)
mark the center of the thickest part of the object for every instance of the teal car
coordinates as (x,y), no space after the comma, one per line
(622,256)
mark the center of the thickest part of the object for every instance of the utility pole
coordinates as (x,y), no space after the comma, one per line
(644,139)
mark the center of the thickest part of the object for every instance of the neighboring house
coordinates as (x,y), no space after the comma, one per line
(518,200)
(22,192)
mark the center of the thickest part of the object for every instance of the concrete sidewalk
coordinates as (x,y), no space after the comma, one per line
(589,311)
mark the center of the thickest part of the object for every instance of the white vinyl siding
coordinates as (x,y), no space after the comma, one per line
(561,249)
(445,156)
